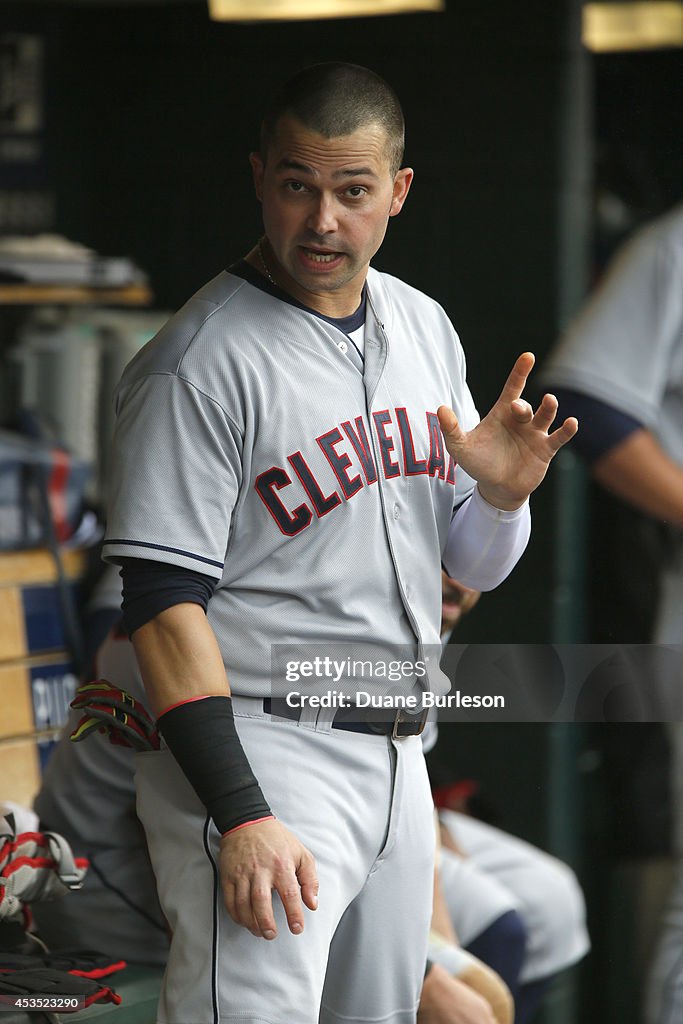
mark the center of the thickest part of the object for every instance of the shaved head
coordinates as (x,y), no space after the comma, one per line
(337,99)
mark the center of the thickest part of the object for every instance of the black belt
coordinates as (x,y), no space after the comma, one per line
(400,723)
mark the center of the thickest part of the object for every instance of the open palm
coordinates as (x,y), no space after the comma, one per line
(509,451)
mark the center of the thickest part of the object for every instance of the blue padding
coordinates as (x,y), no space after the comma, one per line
(43,618)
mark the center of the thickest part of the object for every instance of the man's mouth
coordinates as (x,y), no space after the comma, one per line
(320,256)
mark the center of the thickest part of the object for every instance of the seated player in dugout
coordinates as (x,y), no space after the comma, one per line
(515,907)
(278,478)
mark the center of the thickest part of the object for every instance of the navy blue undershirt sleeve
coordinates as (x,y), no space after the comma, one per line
(151,587)
(601,426)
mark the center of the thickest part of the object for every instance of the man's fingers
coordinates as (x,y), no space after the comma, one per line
(229,900)
(243,909)
(546,412)
(308,880)
(543,420)
(262,906)
(309,894)
(256,861)
(448,422)
(522,410)
(290,894)
(563,434)
(517,377)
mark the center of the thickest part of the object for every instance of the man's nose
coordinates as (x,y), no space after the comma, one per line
(322,217)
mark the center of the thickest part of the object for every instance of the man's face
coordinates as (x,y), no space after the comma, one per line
(326,206)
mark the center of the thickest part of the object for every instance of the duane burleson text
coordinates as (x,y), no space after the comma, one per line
(410,702)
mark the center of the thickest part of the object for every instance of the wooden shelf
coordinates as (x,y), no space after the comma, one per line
(37,565)
(73,295)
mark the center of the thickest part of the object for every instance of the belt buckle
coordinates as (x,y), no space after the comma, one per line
(403,717)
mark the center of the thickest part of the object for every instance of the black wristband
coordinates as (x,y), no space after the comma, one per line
(202,737)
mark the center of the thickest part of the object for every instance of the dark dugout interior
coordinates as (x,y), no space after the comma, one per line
(518,138)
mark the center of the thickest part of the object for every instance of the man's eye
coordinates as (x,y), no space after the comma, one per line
(295,186)
(356,191)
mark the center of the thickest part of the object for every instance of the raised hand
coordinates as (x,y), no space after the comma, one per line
(509,451)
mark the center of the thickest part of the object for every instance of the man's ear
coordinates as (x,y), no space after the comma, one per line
(402,183)
(257,168)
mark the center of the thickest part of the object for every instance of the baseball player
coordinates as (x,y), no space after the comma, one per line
(88,789)
(518,909)
(491,881)
(620,365)
(295,452)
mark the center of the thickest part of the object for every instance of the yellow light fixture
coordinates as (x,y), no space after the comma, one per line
(301,10)
(645,25)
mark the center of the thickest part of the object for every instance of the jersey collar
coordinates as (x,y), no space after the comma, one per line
(347,324)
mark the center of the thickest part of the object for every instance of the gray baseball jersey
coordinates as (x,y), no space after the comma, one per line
(317,492)
(254,444)
(626,348)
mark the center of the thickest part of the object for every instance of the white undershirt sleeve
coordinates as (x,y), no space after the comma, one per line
(485,543)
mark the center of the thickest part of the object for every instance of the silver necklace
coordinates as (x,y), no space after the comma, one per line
(263,262)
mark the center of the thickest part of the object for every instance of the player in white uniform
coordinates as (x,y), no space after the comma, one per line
(88,790)
(620,366)
(518,905)
(488,875)
(518,908)
(303,492)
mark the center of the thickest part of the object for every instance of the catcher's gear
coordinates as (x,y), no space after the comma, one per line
(115,713)
(47,982)
(34,867)
(83,963)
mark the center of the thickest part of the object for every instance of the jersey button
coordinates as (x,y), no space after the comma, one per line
(342,346)
(397,511)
